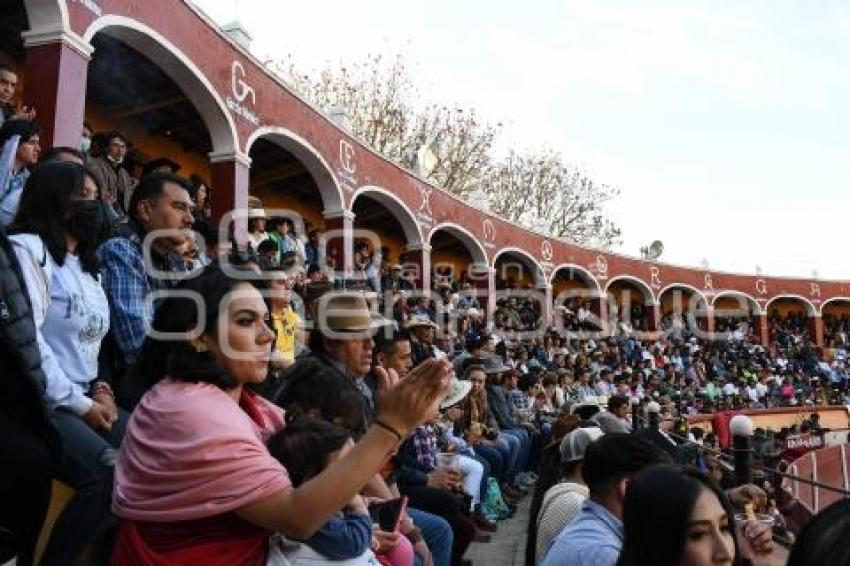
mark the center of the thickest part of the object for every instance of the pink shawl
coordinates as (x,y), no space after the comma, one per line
(190,452)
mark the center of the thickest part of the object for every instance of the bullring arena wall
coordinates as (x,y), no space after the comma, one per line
(240,102)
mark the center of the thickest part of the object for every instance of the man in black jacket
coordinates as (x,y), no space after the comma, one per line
(422,333)
(30,449)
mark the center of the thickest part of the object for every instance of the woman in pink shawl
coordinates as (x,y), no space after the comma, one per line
(194,483)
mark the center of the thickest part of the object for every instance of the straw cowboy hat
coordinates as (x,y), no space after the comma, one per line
(347,313)
(471,312)
(418,321)
(458,390)
(256,213)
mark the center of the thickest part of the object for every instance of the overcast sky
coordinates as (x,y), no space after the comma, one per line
(725,124)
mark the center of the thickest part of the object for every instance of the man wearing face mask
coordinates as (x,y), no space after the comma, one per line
(114,179)
(85,142)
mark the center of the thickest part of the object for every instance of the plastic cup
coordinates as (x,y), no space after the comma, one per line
(760,517)
(448,461)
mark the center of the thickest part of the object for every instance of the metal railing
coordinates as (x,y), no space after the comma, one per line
(796,479)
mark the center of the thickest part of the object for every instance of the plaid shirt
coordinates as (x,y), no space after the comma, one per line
(521,405)
(519,400)
(425,445)
(127,284)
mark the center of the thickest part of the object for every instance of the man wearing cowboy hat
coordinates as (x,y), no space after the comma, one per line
(256,227)
(342,336)
(497,404)
(422,333)
(394,281)
(341,339)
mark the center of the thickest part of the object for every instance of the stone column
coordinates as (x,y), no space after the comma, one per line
(709,321)
(599,307)
(652,316)
(816,330)
(763,330)
(339,242)
(230,177)
(420,255)
(546,307)
(55,84)
(491,298)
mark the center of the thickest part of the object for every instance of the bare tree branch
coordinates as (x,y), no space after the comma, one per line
(537,189)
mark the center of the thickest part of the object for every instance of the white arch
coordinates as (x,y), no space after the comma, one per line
(473,246)
(539,274)
(811,310)
(397,208)
(649,296)
(572,266)
(833,300)
(757,310)
(46,16)
(322,174)
(182,70)
(690,288)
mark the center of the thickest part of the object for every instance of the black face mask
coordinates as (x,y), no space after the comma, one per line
(88,222)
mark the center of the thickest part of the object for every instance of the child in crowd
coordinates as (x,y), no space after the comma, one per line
(305,447)
(475,469)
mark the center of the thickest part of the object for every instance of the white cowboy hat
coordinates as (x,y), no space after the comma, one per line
(458,390)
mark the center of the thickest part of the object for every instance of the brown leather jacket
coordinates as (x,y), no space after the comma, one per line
(115,183)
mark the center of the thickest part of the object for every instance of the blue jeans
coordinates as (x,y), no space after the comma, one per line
(524,449)
(437,534)
(485,479)
(511,448)
(491,454)
(87,466)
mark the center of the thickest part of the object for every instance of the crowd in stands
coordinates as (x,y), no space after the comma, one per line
(283,418)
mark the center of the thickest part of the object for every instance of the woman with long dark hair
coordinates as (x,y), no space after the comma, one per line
(194,481)
(674,516)
(58,226)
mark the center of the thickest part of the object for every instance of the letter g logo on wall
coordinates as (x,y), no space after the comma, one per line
(346,157)
(241,89)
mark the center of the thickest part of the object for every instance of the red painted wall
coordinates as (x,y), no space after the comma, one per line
(354,165)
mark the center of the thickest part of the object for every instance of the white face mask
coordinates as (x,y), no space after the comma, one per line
(85,145)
